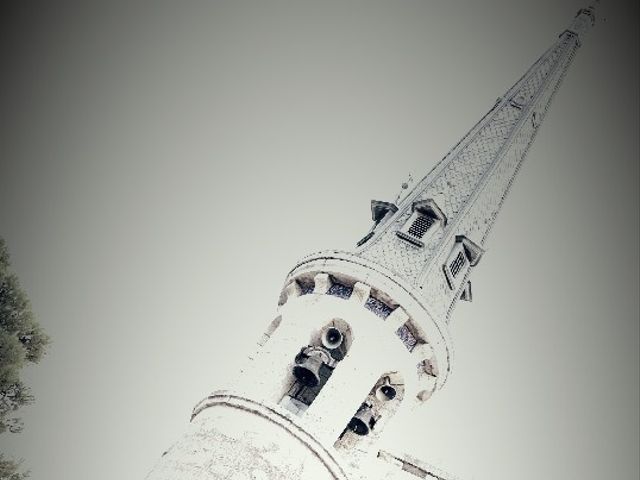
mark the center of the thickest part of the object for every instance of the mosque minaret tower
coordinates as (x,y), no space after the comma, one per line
(361,337)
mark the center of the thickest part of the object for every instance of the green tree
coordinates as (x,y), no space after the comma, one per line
(9,470)
(22,341)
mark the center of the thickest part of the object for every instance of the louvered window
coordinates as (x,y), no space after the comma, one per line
(457,264)
(417,228)
(426,218)
(420,225)
(464,254)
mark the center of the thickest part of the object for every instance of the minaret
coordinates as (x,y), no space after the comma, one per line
(362,336)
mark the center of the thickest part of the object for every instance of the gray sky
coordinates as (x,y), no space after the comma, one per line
(164,165)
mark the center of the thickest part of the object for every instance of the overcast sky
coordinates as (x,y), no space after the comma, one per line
(165,165)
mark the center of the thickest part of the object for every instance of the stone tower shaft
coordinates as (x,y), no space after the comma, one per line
(361,337)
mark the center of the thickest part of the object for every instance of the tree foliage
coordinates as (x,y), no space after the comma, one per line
(9,470)
(22,341)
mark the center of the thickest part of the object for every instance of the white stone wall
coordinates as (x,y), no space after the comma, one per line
(236,439)
(248,423)
(375,349)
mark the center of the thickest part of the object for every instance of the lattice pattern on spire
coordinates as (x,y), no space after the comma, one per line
(473,179)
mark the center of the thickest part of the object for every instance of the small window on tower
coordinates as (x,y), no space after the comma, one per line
(457,264)
(424,219)
(464,254)
(420,225)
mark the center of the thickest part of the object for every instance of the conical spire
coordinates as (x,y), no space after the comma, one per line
(436,234)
